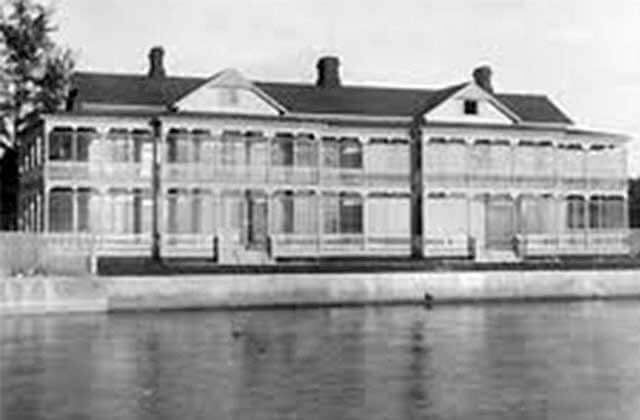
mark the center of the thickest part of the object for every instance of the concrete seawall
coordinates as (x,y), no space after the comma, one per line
(54,294)
(131,293)
(50,294)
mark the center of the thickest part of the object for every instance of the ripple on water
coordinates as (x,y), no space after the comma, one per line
(532,361)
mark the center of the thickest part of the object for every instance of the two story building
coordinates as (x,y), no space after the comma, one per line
(250,172)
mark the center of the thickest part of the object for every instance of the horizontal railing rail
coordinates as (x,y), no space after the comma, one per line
(176,172)
(447,245)
(304,245)
(592,242)
(188,245)
(479,180)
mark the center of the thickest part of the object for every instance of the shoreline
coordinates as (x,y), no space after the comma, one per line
(58,294)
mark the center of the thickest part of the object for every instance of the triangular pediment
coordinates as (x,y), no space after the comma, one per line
(229,92)
(471,104)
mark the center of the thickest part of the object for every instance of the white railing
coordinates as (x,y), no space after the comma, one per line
(188,245)
(342,176)
(311,245)
(605,242)
(97,172)
(293,175)
(533,181)
(442,245)
(295,245)
(385,179)
(124,244)
(388,245)
(446,180)
(347,243)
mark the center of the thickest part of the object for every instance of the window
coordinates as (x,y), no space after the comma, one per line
(61,210)
(597,208)
(330,213)
(84,138)
(120,145)
(233,152)
(282,150)
(470,107)
(576,207)
(306,152)
(257,147)
(83,198)
(120,211)
(330,152)
(172,211)
(61,144)
(350,214)
(178,146)
(140,138)
(142,210)
(350,153)
(196,211)
(283,212)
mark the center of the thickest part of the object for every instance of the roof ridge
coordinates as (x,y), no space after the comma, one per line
(530,95)
(354,86)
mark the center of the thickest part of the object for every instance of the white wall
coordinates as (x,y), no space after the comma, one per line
(452,109)
(226,99)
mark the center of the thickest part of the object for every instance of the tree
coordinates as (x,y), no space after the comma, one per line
(34,77)
(34,70)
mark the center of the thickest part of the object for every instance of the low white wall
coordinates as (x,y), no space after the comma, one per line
(39,295)
(31,295)
(222,291)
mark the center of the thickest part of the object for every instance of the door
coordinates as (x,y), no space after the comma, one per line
(257,231)
(500,223)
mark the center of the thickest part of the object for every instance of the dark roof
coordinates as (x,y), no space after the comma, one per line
(129,89)
(356,100)
(533,108)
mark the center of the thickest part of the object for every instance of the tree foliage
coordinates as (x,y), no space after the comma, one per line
(35,71)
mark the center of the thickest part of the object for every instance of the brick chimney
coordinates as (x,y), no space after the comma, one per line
(156,64)
(482,77)
(328,73)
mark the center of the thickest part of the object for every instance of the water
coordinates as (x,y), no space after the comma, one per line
(530,361)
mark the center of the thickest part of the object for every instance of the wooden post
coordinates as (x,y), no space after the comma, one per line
(156,125)
(417,188)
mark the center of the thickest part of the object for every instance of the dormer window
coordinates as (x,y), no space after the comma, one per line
(470,107)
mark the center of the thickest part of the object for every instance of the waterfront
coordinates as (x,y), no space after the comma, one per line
(526,361)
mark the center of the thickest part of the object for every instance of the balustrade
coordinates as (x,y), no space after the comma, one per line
(305,245)
(459,245)
(188,245)
(606,242)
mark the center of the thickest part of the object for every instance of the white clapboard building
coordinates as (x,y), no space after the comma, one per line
(253,171)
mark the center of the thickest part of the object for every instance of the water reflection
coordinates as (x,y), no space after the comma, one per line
(495,362)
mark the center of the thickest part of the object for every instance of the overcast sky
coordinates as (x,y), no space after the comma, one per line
(584,54)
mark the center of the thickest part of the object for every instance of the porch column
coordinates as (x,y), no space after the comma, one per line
(417,187)
(156,125)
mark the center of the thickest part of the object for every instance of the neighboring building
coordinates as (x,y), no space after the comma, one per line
(266,170)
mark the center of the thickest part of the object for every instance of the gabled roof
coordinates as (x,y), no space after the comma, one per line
(536,108)
(131,89)
(303,98)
